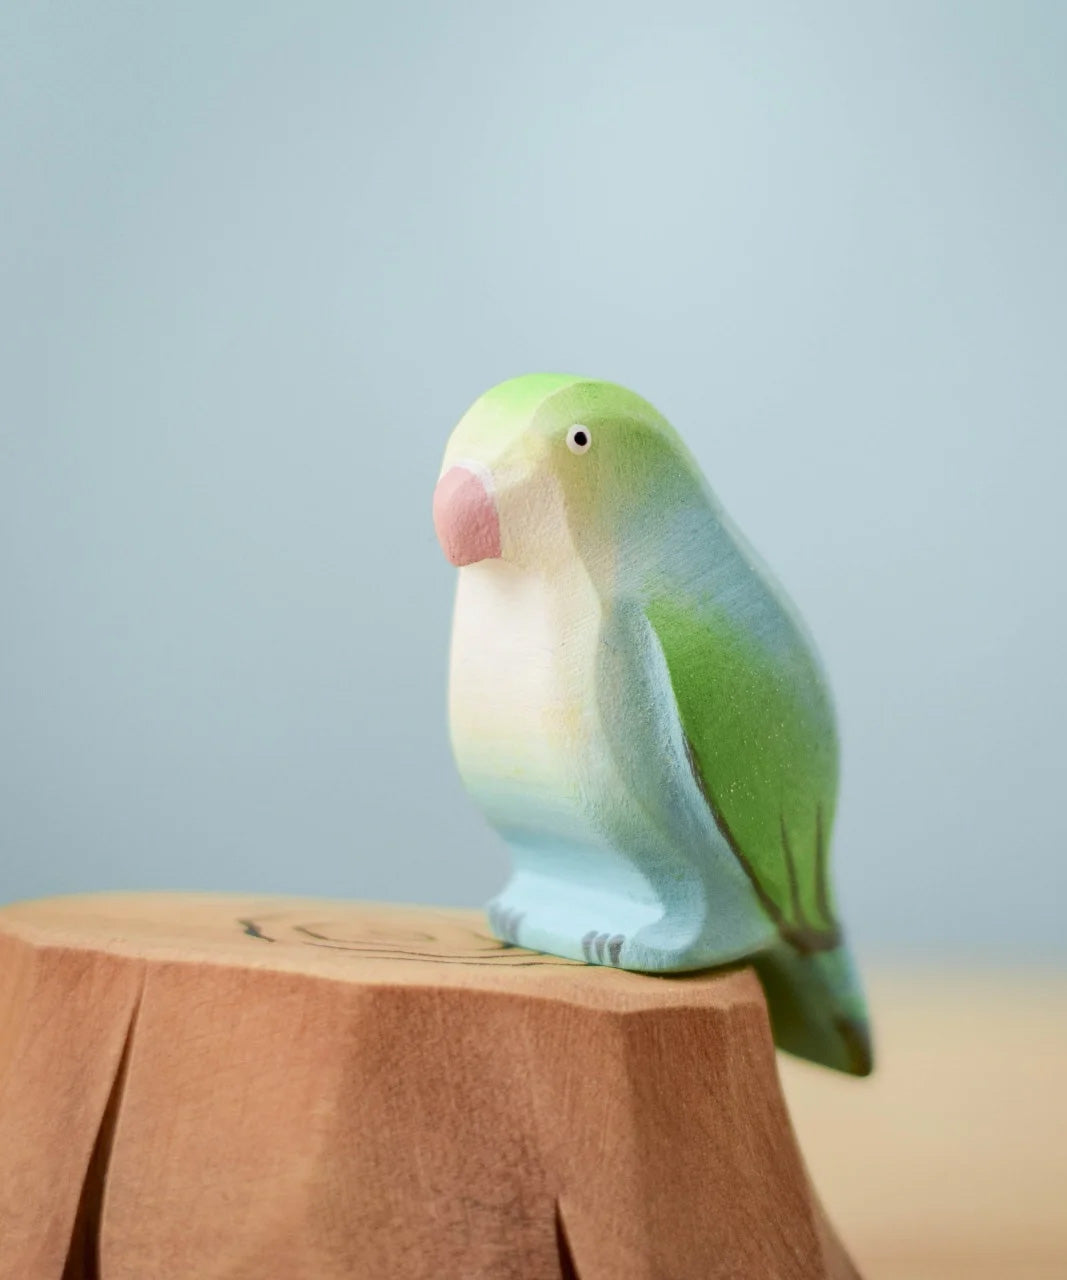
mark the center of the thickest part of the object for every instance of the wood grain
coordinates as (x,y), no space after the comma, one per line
(215,1087)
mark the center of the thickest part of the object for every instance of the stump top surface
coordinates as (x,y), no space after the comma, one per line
(362,943)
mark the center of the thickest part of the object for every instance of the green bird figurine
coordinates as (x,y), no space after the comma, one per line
(638,710)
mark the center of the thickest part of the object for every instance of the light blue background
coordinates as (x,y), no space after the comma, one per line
(257,260)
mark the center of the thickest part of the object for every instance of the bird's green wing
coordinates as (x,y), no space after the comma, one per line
(760,730)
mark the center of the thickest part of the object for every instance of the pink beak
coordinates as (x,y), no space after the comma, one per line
(465,517)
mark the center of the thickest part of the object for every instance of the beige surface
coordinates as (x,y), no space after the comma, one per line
(950,1163)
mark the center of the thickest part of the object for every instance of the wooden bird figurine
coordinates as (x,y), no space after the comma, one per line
(638,710)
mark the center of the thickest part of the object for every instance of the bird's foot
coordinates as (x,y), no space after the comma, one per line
(505,923)
(602,948)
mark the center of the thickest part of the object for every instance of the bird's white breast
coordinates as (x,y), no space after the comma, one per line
(522,680)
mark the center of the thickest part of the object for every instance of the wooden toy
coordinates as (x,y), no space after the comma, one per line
(638,710)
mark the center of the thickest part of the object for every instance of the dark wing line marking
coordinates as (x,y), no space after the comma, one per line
(791,871)
(806,939)
(822,899)
(766,901)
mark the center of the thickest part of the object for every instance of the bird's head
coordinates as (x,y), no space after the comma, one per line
(547,466)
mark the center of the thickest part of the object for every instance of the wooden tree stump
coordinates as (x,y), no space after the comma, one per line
(214,1088)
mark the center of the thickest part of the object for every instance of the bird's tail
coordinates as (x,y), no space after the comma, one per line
(817,1007)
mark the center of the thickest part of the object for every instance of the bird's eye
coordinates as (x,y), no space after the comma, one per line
(579,438)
